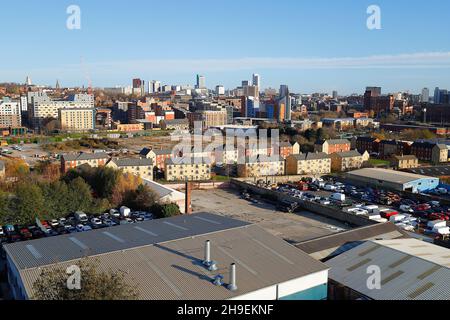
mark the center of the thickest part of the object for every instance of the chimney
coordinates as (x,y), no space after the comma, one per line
(208,263)
(188,198)
(232,286)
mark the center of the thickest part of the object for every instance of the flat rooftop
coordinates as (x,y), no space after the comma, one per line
(163,258)
(393,176)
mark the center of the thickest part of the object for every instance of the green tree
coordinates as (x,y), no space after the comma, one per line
(142,199)
(28,204)
(6,214)
(95,285)
(166,210)
(58,199)
(81,198)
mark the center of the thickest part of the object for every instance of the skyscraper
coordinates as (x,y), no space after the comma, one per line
(285,99)
(28,81)
(154,86)
(425,95)
(335,95)
(257,80)
(220,90)
(437,92)
(201,82)
(138,87)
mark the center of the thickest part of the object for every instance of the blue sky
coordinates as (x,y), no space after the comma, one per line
(317,45)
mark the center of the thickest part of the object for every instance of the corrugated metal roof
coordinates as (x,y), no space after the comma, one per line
(387,175)
(405,273)
(96,242)
(173,270)
(333,245)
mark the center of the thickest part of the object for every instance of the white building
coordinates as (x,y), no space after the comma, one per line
(425,97)
(10,115)
(220,90)
(154,86)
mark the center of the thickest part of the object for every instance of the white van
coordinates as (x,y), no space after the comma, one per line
(81,216)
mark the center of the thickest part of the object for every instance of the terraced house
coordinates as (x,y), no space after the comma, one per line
(261,166)
(73,160)
(139,167)
(333,146)
(308,163)
(192,169)
(346,161)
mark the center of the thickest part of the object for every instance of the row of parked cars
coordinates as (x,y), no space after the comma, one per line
(377,205)
(78,222)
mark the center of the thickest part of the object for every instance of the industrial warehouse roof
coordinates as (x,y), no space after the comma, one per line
(410,270)
(163,258)
(333,245)
(438,171)
(164,190)
(387,175)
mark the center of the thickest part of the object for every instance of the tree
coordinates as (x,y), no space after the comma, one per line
(5,209)
(141,199)
(58,199)
(166,210)
(81,198)
(17,168)
(94,285)
(28,204)
(125,186)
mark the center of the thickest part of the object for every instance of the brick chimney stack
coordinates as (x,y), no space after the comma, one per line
(188,197)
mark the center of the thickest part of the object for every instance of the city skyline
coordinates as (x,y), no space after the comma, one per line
(327,55)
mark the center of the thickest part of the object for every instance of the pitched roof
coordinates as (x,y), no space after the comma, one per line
(83,156)
(348,154)
(145,151)
(333,245)
(133,162)
(405,157)
(163,258)
(334,141)
(311,156)
(411,269)
(263,159)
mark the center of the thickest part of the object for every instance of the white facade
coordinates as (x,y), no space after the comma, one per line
(287,289)
(10,115)
(220,90)
(425,97)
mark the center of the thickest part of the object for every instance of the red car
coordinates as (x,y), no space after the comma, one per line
(25,234)
(438,216)
(388,214)
(423,207)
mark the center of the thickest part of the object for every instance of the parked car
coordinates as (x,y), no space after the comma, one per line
(25,234)
(81,217)
(405,208)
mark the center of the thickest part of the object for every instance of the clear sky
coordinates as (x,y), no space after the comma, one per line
(311,45)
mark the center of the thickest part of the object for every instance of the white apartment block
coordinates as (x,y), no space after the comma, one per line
(10,115)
